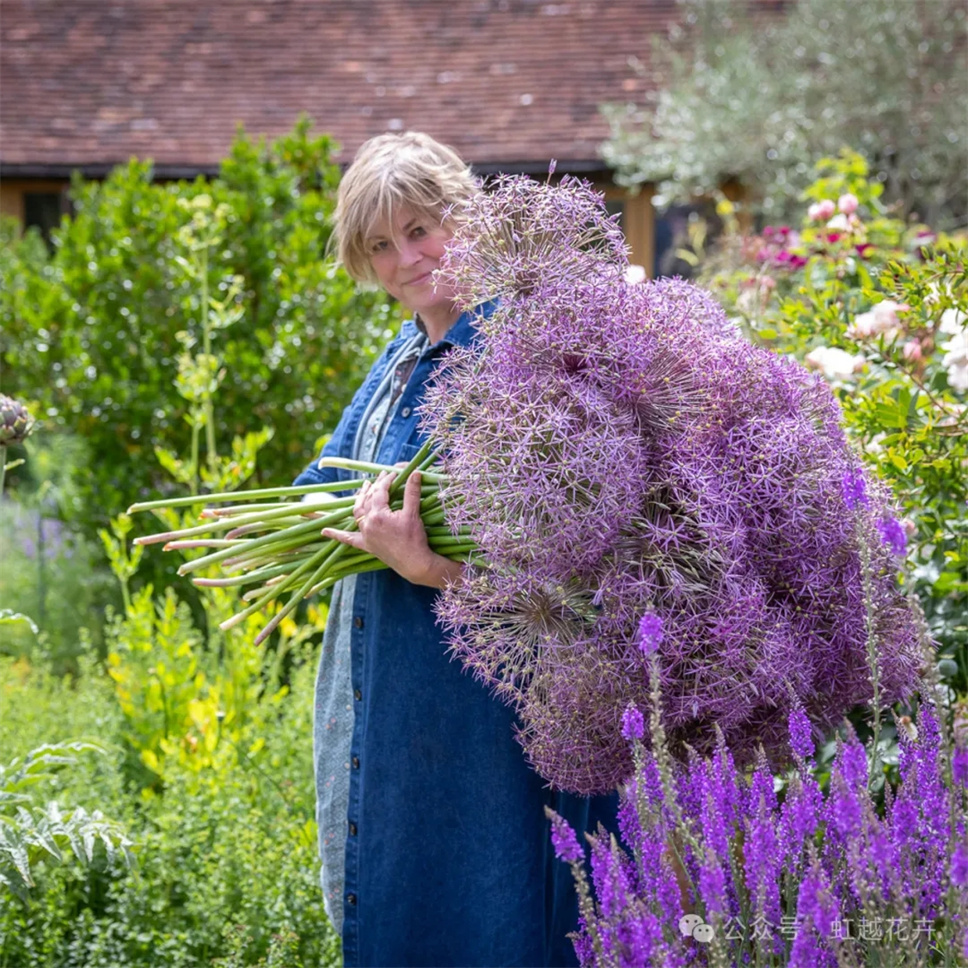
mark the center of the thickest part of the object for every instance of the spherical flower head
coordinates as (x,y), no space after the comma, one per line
(855,489)
(650,633)
(892,534)
(848,203)
(801,738)
(563,839)
(959,767)
(15,421)
(633,724)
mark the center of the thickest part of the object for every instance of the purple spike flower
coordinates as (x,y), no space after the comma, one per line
(564,840)
(892,534)
(959,766)
(801,733)
(855,489)
(633,725)
(650,633)
(959,863)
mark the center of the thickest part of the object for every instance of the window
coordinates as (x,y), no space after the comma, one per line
(44,210)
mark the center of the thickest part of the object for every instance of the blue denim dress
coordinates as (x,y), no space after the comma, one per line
(448,858)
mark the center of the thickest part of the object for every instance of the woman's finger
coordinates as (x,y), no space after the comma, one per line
(411,495)
(352,538)
(380,494)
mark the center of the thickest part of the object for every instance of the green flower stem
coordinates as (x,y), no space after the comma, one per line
(255,547)
(260,574)
(189,501)
(367,468)
(275,590)
(297,597)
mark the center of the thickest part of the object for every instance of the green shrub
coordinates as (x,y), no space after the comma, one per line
(233,846)
(51,571)
(755,97)
(92,332)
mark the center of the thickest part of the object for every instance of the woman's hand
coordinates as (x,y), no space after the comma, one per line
(397,538)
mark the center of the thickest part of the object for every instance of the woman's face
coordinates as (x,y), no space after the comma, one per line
(404,252)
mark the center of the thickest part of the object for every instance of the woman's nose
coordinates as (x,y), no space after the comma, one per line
(410,254)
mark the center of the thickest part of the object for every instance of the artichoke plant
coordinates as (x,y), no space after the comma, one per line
(15,421)
(15,426)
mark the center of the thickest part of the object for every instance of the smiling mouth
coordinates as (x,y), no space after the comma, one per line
(420,280)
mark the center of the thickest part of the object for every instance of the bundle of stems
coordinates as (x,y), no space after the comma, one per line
(276,544)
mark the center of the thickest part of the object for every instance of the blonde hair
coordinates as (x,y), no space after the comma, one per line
(391,171)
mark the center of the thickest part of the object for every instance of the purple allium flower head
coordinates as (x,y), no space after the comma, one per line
(801,733)
(633,724)
(892,534)
(650,633)
(959,766)
(609,445)
(564,840)
(855,489)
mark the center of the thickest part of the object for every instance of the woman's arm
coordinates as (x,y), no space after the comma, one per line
(397,538)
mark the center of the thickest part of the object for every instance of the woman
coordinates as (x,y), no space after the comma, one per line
(435,847)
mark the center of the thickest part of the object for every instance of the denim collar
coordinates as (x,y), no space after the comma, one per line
(462,333)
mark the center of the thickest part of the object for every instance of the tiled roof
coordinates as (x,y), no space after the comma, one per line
(88,83)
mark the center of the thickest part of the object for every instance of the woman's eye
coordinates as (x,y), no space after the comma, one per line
(379,246)
(418,232)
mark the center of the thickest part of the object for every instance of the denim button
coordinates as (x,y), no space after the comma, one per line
(356,762)
(357,695)
(351,899)
(405,412)
(358,621)
(352,829)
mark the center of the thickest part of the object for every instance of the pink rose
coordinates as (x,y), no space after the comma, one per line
(848,203)
(912,351)
(821,211)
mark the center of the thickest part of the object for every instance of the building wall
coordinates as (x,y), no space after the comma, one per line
(637,213)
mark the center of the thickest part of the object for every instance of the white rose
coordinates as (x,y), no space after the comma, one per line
(836,364)
(863,326)
(955,359)
(958,377)
(953,322)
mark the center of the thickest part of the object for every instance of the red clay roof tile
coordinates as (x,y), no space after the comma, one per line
(90,83)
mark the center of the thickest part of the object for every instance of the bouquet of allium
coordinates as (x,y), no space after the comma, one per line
(621,459)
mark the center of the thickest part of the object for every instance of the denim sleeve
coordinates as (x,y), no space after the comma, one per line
(334,447)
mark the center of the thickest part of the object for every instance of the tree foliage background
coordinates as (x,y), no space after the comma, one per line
(93,332)
(750,96)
